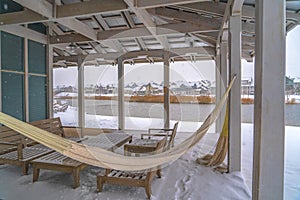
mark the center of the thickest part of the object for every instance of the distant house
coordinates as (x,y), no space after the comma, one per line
(289,85)
(247,86)
(297,85)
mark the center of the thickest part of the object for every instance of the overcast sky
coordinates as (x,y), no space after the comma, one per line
(188,71)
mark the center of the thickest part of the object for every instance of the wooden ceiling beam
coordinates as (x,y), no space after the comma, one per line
(111,44)
(89,8)
(146,19)
(49,12)
(193,18)
(25,32)
(207,40)
(41,7)
(205,51)
(162,30)
(213,8)
(160,3)
(55,28)
(79,27)
(21,17)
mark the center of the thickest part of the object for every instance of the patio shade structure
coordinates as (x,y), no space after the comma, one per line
(39,35)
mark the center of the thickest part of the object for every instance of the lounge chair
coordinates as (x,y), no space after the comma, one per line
(18,150)
(171,133)
(138,179)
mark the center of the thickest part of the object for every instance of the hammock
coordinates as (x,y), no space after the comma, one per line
(217,158)
(103,158)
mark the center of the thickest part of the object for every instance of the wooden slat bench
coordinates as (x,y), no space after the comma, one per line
(58,162)
(18,150)
(137,179)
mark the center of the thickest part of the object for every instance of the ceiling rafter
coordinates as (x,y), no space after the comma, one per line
(55,28)
(146,18)
(112,44)
(88,8)
(159,3)
(49,12)
(204,51)
(163,30)
(71,23)
(25,32)
(21,17)
(205,39)
(41,7)
(129,20)
(188,17)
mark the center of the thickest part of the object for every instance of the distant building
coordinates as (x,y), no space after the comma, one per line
(247,86)
(289,85)
(297,86)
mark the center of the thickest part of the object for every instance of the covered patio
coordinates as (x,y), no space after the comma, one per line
(38,36)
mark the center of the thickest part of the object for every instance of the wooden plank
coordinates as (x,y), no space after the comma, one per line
(89,8)
(25,32)
(162,30)
(160,3)
(42,7)
(193,18)
(20,17)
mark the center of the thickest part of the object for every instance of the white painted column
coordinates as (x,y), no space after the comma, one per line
(218,87)
(268,159)
(166,90)
(81,104)
(224,65)
(234,154)
(49,65)
(121,106)
(221,80)
(26,81)
(0,74)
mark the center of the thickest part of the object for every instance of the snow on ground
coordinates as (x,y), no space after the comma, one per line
(184,179)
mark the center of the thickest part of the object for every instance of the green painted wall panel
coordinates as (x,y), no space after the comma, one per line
(12,52)
(36,57)
(12,86)
(37,98)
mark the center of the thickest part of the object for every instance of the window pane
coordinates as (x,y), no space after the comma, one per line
(144,96)
(65,93)
(101,96)
(191,86)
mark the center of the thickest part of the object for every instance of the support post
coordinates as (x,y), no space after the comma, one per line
(269,125)
(218,87)
(121,106)
(224,65)
(234,154)
(81,104)
(0,73)
(26,81)
(49,64)
(166,90)
(221,80)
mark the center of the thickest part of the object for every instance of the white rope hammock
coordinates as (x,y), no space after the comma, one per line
(103,158)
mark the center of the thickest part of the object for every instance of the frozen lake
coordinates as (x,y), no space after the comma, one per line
(178,112)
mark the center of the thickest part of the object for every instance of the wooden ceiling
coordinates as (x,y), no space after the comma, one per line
(139,30)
